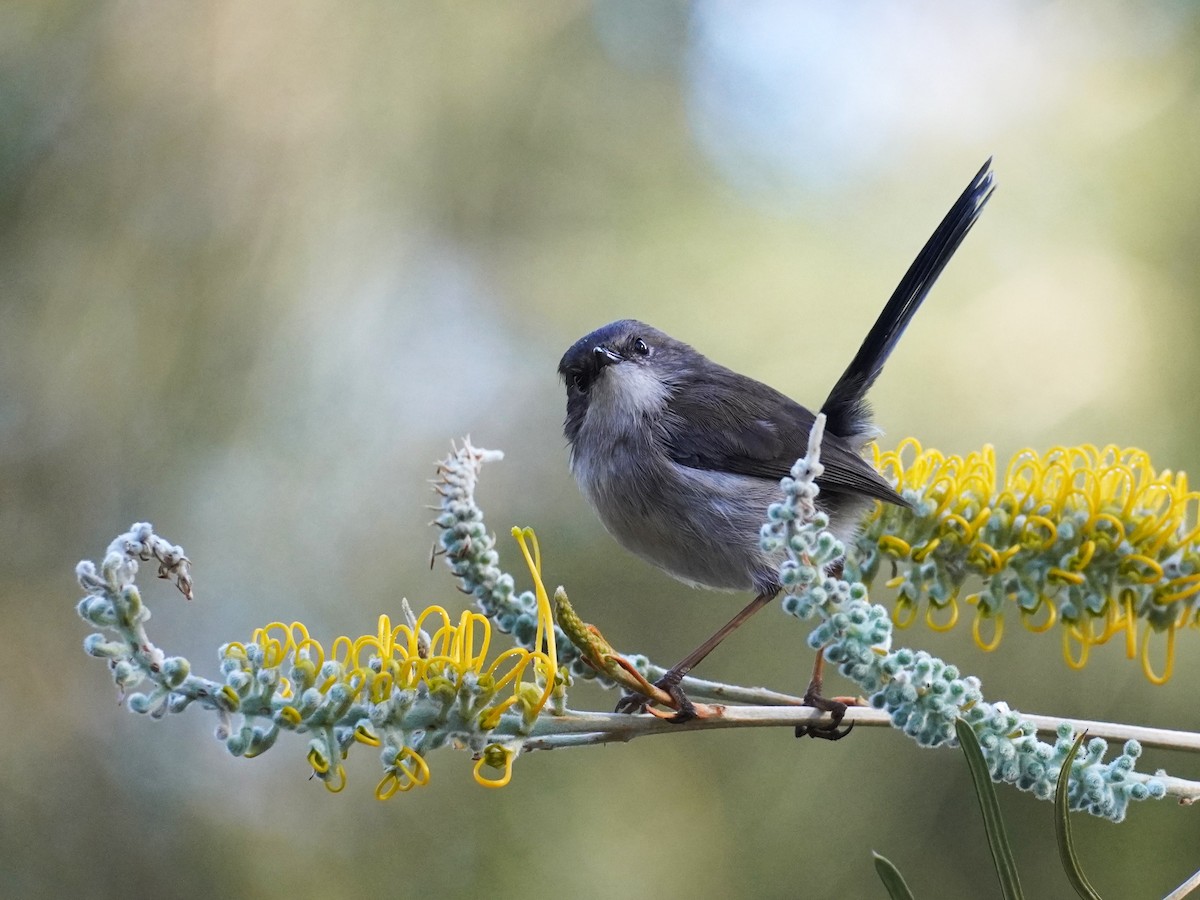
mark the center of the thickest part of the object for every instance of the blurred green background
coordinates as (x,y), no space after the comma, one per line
(261,262)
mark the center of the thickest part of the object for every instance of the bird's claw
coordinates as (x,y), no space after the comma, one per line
(832,731)
(835,708)
(685,710)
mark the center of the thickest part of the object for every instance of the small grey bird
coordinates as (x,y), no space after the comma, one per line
(680,456)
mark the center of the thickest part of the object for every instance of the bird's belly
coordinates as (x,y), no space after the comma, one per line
(699,526)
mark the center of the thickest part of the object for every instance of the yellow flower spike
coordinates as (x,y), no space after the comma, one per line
(932,608)
(1147,666)
(1093,520)
(997,634)
(495,756)
(1051,617)
(373,666)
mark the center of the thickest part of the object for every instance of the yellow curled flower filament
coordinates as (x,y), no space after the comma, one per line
(1077,534)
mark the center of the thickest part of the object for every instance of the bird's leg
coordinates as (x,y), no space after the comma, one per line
(835,708)
(812,694)
(684,710)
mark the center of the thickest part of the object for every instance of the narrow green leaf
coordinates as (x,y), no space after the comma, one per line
(993,823)
(891,878)
(1062,828)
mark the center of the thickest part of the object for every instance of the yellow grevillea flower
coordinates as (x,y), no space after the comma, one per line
(1094,539)
(447,656)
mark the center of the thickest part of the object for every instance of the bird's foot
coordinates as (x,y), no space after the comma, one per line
(685,710)
(835,707)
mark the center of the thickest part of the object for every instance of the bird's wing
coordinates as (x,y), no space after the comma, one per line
(751,429)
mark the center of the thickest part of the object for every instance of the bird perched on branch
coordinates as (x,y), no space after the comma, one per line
(680,457)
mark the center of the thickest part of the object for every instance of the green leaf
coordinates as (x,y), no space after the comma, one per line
(891,878)
(1062,828)
(993,823)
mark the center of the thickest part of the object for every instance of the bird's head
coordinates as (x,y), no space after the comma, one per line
(619,372)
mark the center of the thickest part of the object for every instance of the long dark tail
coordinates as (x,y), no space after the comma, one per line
(846,410)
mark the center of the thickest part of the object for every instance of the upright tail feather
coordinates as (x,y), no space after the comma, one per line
(846,410)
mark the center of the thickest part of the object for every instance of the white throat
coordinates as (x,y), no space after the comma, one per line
(627,391)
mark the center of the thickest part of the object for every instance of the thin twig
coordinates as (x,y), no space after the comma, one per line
(1184,889)
(1146,736)
(575,729)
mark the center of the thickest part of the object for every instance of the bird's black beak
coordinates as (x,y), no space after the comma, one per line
(604,356)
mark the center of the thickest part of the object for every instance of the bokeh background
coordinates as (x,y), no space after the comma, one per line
(260,263)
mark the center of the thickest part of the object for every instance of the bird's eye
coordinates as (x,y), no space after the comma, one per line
(641,347)
(579,380)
